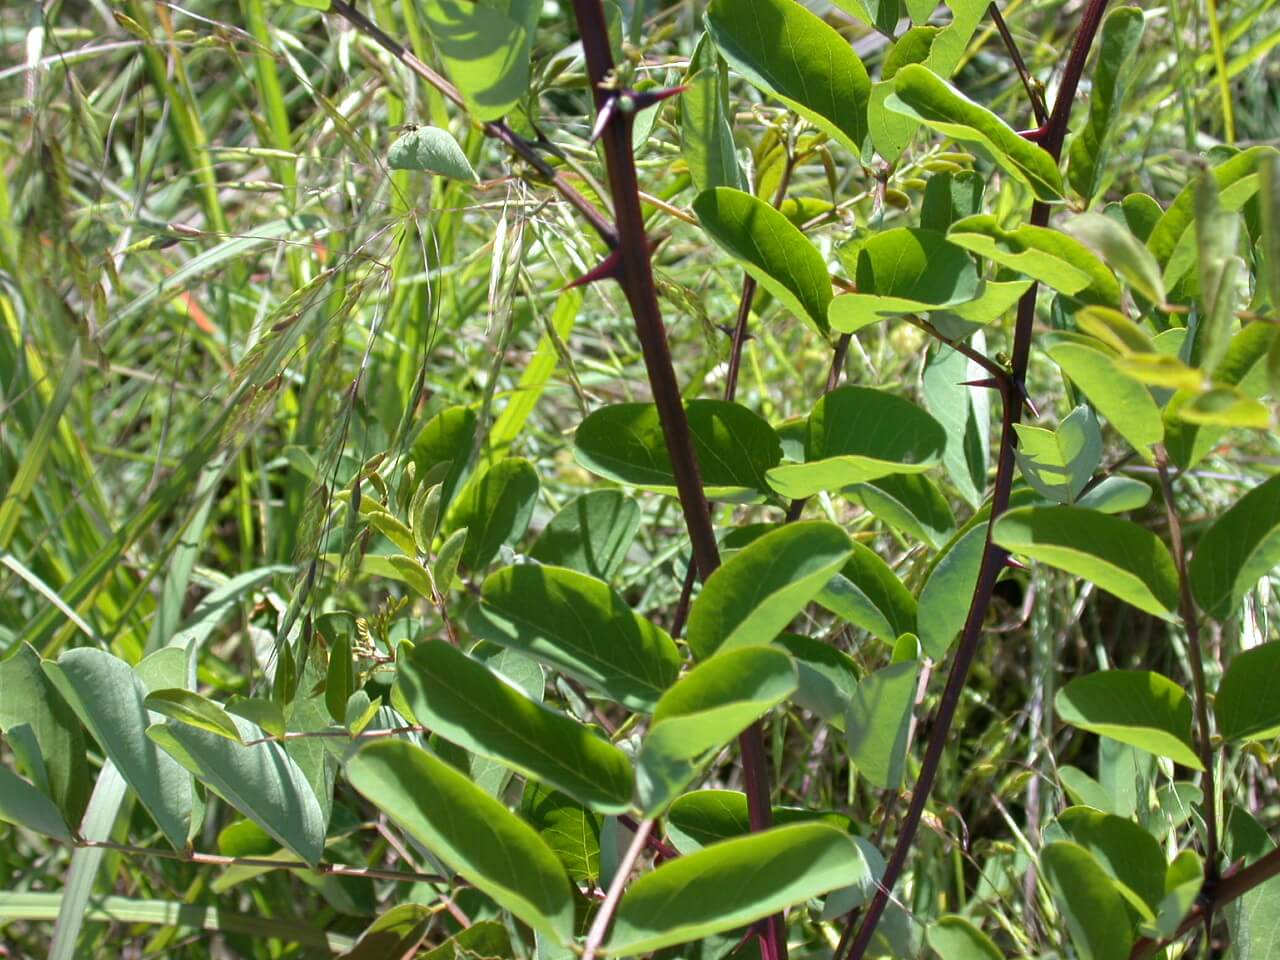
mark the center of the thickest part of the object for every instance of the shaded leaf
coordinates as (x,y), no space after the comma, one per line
(1126,404)
(877,722)
(952,937)
(867,593)
(1246,706)
(260,780)
(468,831)
(735,447)
(191,708)
(1058,463)
(826,676)
(965,413)
(494,509)
(1095,911)
(1241,547)
(857,434)
(25,806)
(1120,249)
(591,534)
(706,134)
(909,503)
(485,52)
(108,697)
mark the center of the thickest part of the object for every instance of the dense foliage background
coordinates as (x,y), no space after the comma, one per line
(225,319)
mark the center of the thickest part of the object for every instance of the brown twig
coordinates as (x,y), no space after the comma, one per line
(993,556)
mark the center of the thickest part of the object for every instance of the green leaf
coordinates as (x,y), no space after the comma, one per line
(949,197)
(1126,404)
(1173,238)
(1241,547)
(1269,245)
(1112,71)
(1120,249)
(191,708)
(1217,234)
(826,676)
(25,806)
(1096,913)
(579,625)
(878,720)
(904,270)
(395,933)
(1124,559)
(965,414)
(1044,254)
(445,568)
(1126,851)
(945,597)
(706,134)
(339,681)
(27,698)
(752,597)
(1225,407)
(483,940)
(433,150)
(260,780)
(952,937)
(791,54)
(1117,495)
(467,704)
(485,52)
(1058,463)
(1246,706)
(570,830)
(108,697)
(770,248)
(857,434)
(867,593)
(921,94)
(468,830)
(708,707)
(591,534)
(909,503)
(735,447)
(1137,707)
(446,438)
(1184,880)
(703,817)
(494,509)
(733,883)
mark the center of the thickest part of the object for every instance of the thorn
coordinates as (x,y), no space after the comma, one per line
(606,113)
(1036,135)
(1013,564)
(990,383)
(610,268)
(647,98)
(729,330)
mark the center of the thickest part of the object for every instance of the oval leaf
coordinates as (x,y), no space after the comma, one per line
(485,51)
(433,150)
(467,704)
(921,94)
(494,509)
(1247,707)
(710,706)
(857,434)
(260,779)
(468,830)
(760,589)
(867,593)
(25,806)
(1096,914)
(878,720)
(770,248)
(735,447)
(1137,707)
(789,52)
(1126,560)
(733,883)
(578,624)
(109,699)
(1241,547)
(1125,403)
(590,534)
